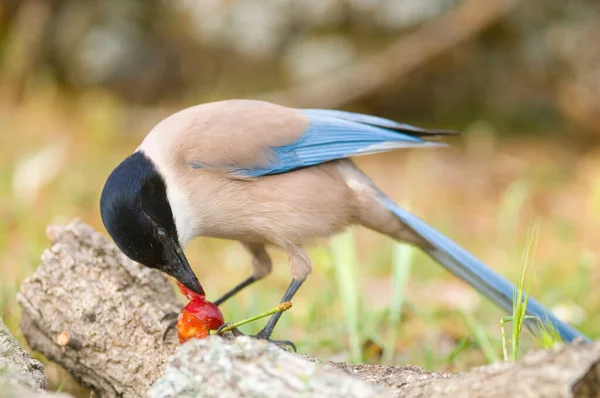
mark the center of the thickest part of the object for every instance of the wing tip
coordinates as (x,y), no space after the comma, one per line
(379,122)
(420,132)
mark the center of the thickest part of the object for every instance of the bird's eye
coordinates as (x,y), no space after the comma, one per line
(161,233)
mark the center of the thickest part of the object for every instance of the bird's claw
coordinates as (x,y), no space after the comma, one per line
(235,331)
(171,317)
(285,344)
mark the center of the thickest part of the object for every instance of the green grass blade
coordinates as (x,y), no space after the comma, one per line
(61,386)
(546,334)
(462,345)
(511,204)
(502,322)
(521,297)
(344,260)
(401,265)
(481,338)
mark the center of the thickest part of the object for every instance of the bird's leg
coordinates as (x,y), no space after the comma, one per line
(261,267)
(246,282)
(301,267)
(266,332)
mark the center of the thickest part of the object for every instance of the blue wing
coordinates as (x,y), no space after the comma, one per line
(377,122)
(336,135)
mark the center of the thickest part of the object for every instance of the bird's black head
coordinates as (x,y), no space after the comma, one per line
(136,213)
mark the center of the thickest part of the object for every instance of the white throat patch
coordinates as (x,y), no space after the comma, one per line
(181,209)
(178,199)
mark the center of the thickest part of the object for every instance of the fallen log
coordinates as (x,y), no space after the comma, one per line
(106,309)
(98,314)
(245,367)
(20,375)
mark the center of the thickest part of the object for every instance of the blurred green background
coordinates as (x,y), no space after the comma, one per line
(81,83)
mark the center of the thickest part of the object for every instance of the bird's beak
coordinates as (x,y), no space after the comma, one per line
(182,271)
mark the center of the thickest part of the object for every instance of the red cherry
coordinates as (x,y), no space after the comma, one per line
(206,311)
(199,316)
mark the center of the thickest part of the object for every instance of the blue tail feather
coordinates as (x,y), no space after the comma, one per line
(470,269)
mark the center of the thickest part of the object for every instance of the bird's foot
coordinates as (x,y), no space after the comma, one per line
(285,344)
(235,331)
(171,318)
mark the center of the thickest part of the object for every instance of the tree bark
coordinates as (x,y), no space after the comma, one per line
(110,307)
(17,363)
(20,375)
(98,314)
(248,368)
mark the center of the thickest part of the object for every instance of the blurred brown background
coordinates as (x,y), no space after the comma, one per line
(82,82)
(526,65)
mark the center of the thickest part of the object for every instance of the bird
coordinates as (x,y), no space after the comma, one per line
(269,175)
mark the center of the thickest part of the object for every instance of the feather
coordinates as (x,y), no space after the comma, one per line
(329,138)
(378,122)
